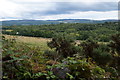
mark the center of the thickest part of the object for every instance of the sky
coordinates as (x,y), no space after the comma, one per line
(58,9)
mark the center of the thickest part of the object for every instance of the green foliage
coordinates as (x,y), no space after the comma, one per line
(64,45)
(67,59)
(102,57)
(100,32)
(115,47)
(100,53)
(115,44)
(20,59)
(88,47)
(80,69)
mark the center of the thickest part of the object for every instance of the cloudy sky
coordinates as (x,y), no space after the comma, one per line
(55,9)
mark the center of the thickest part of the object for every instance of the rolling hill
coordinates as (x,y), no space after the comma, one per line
(41,22)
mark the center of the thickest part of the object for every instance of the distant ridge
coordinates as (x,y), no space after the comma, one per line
(41,22)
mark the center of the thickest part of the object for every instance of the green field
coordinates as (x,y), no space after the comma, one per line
(31,41)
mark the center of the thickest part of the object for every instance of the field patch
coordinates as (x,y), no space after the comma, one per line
(32,41)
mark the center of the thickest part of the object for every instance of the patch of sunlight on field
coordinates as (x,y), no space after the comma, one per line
(9,30)
(31,41)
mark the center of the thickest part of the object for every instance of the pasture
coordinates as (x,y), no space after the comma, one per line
(31,41)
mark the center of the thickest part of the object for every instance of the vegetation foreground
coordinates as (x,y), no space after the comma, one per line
(62,57)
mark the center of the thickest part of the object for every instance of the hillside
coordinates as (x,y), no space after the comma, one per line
(41,22)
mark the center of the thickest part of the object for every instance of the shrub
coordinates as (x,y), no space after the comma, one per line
(64,45)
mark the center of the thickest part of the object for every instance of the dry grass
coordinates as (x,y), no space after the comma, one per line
(32,41)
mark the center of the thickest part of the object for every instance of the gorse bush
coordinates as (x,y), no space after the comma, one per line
(64,45)
(115,49)
(115,44)
(101,57)
(88,47)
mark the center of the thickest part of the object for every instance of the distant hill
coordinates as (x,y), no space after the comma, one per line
(41,22)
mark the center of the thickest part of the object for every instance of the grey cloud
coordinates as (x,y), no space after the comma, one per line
(67,8)
(34,9)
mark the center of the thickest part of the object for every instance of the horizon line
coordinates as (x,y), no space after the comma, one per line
(56,19)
